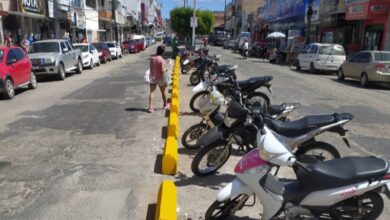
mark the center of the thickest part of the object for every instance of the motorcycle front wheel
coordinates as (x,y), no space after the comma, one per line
(195,78)
(222,210)
(209,159)
(195,98)
(192,134)
(317,152)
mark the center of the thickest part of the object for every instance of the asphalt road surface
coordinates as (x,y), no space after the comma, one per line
(83,148)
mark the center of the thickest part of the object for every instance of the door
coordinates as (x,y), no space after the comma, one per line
(373,37)
(304,56)
(349,65)
(361,65)
(312,55)
(73,59)
(24,65)
(95,54)
(14,68)
(65,55)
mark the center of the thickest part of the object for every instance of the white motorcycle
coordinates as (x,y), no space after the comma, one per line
(346,188)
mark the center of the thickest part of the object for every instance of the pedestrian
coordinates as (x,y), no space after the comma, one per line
(8,40)
(31,39)
(157,77)
(205,41)
(25,44)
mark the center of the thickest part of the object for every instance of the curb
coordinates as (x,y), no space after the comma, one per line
(167,195)
(166,201)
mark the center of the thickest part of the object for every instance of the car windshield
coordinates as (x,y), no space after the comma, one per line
(110,44)
(83,48)
(332,49)
(1,55)
(47,47)
(98,46)
(245,35)
(380,56)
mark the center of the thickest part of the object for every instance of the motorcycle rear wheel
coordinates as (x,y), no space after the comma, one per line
(195,78)
(194,100)
(258,97)
(214,156)
(317,152)
(193,134)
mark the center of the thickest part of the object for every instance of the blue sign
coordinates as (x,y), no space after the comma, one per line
(276,10)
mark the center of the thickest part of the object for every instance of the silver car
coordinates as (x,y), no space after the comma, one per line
(55,57)
(367,66)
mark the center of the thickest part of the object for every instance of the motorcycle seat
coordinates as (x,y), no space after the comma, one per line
(254,80)
(341,172)
(223,68)
(306,124)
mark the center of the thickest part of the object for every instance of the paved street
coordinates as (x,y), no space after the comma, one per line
(320,93)
(83,148)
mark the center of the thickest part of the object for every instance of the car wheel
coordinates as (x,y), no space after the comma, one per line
(91,65)
(297,65)
(98,63)
(33,81)
(9,89)
(312,69)
(340,75)
(105,60)
(120,56)
(110,59)
(61,72)
(79,67)
(364,82)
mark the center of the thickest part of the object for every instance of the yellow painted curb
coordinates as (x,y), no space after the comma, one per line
(170,156)
(166,201)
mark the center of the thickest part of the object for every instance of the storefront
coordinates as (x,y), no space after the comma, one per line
(372,16)
(105,25)
(21,18)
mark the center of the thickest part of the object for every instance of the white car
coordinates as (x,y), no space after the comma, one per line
(115,49)
(319,56)
(89,53)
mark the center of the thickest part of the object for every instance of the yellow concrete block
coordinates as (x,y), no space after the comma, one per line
(170,156)
(166,201)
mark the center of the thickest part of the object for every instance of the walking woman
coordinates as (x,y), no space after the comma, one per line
(156,78)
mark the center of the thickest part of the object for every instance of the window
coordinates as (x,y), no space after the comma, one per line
(19,54)
(1,55)
(314,49)
(365,58)
(91,3)
(307,48)
(63,46)
(68,45)
(355,58)
(45,47)
(381,56)
(11,56)
(332,50)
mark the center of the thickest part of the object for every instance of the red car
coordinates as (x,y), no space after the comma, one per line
(130,46)
(104,52)
(15,71)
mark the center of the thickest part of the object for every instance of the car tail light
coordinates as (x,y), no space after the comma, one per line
(100,53)
(387,176)
(380,66)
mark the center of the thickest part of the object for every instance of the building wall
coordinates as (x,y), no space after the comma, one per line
(218,18)
(387,40)
(250,6)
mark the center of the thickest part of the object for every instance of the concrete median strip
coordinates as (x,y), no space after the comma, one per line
(167,196)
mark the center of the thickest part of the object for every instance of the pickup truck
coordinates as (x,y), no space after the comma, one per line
(55,57)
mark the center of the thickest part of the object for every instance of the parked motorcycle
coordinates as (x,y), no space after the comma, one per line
(347,188)
(216,144)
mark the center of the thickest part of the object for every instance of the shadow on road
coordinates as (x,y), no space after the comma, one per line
(4,164)
(212,182)
(150,213)
(186,151)
(137,110)
(158,164)
(190,114)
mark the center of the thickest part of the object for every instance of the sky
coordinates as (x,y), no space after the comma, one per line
(212,5)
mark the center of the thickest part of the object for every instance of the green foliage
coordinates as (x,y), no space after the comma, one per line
(181,17)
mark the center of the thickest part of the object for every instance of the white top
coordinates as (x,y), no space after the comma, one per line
(245,46)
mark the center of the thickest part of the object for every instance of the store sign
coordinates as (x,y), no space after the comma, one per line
(50,6)
(32,6)
(374,9)
(275,10)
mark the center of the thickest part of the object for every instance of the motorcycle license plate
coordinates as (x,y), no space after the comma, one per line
(186,62)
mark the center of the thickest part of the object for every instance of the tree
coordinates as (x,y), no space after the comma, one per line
(181,17)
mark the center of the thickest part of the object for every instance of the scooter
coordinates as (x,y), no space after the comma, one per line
(347,188)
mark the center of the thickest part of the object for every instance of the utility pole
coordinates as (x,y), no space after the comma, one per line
(308,28)
(193,27)
(224,18)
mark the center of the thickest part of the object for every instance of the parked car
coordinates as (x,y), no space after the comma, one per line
(115,49)
(89,53)
(230,43)
(367,66)
(219,38)
(55,57)
(15,71)
(141,41)
(104,52)
(319,56)
(167,40)
(129,46)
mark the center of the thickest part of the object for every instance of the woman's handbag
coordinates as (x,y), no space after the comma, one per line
(147,75)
